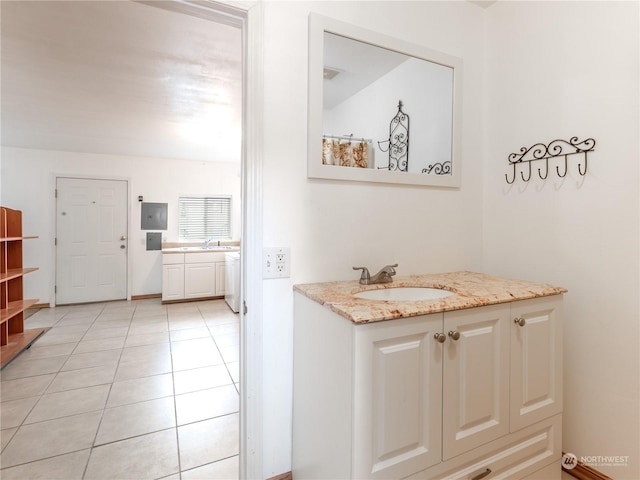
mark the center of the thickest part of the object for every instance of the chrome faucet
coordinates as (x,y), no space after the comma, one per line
(208,241)
(383,276)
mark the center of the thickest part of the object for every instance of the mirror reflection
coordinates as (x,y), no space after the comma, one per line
(385,110)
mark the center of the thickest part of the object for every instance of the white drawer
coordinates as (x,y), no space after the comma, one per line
(172,258)
(510,457)
(204,257)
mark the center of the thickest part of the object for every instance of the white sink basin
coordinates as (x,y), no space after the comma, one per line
(404,294)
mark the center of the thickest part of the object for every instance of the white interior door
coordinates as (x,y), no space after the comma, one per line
(91,240)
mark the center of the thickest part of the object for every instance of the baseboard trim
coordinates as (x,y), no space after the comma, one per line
(144,297)
(200,299)
(585,472)
(282,476)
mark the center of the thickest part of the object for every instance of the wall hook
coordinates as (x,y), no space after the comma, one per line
(562,175)
(529,176)
(546,171)
(585,166)
(513,179)
(554,149)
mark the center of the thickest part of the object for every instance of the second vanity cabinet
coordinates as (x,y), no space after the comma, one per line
(187,276)
(471,393)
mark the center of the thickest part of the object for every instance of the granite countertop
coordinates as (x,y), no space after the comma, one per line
(470,289)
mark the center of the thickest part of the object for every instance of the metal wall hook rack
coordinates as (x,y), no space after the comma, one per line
(555,149)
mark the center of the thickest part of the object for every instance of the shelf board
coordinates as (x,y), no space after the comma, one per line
(14,308)
(17,343)
(14,239)
(15,273)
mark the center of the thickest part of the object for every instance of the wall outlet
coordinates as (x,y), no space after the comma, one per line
(276,262)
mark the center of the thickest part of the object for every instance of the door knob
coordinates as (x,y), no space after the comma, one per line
(123,238)
(122,246)
(454,334)
(440,337)
(519,321)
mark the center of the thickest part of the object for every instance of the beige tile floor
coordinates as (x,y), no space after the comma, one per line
(124,390)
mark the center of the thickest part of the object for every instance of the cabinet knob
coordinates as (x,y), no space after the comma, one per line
(454,334)
(520,321)
(440,337)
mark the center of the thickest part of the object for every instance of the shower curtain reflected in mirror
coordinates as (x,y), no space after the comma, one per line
(347,153)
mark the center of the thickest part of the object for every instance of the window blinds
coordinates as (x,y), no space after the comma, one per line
(202,218)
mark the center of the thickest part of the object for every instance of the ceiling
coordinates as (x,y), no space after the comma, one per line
(355,65)
(121,78)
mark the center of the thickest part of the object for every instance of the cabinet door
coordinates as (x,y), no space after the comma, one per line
(475,378)
(536,360)
(221,278)
(397,397)
(173,282)
(199,280)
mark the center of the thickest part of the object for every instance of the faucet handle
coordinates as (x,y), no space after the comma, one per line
(390,269)
(365,273)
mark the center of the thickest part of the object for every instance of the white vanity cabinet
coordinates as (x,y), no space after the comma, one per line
(221,279)
(397,397)
(189,276)
(199,280)
(173,277)
(536,360)
(475,378)
(462,394)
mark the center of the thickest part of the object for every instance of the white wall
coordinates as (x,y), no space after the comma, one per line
(555,70)
(28,178)
(332,225)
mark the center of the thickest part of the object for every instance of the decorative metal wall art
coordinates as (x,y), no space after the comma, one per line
(398,143)
(443,168)
(554,149)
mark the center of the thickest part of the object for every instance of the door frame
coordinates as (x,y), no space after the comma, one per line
(251,322)
(54,205)
(249,15)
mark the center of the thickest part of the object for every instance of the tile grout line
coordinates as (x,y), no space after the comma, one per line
(106,400)
(175,405)
(105,311)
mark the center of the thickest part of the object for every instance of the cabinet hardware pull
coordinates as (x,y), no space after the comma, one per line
(454,334)
(440,337)
(520,321)
(481,474)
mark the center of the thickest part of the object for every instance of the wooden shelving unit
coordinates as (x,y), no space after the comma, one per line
(13,337)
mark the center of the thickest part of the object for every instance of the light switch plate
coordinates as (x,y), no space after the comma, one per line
(276,262)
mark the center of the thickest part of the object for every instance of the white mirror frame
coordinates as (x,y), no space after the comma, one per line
(318,25)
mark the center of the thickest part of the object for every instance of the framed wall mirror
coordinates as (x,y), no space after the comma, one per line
(381,109)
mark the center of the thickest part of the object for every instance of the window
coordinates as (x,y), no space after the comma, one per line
(202,218)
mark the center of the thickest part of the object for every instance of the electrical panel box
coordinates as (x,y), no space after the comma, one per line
(154,240)
(153,216)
